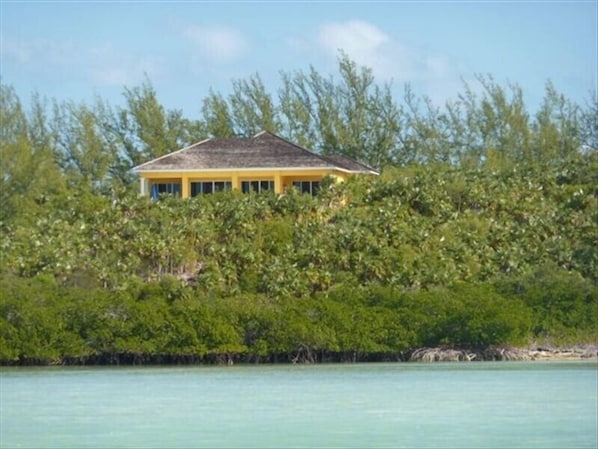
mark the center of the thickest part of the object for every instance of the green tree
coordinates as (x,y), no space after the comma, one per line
(29,175)
(557,129)
(353,117)
(252,107)
(589,124)
(145,129)
(217,118)
(84,153)
(564,305)
(426,139)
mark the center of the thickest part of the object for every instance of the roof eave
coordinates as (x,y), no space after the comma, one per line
(240,169)
(264,169)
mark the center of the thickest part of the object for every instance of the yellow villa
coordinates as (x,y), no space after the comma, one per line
(262,162)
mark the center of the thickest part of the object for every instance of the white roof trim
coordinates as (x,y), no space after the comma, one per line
(271,169)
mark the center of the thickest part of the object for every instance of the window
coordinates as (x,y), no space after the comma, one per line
(310,187)
(200,187)
(161,188)
(256,186)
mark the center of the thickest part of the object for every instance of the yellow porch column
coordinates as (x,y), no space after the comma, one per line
(235,181)
(277,183)
(185,187)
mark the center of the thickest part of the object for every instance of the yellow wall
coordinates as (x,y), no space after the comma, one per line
(282,178)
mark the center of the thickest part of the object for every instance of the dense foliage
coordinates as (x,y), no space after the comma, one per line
(480,231)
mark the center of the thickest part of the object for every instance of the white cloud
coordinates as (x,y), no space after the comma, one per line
(368,45)
(364,43)
(109,66)
(35,51)
(103,65)
(220,44)
(298,45)
(112,76)
(357,38)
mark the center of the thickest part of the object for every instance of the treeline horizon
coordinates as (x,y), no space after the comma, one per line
(481,229)
(94,146)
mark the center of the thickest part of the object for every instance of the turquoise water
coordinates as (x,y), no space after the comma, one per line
(475,405)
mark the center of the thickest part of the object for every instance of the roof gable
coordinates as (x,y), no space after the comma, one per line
(262,151)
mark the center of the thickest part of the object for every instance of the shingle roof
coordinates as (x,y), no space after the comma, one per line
(264,150)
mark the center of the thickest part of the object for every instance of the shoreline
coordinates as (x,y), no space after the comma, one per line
(534,352)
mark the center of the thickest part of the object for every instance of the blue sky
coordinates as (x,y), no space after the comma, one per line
(77,50)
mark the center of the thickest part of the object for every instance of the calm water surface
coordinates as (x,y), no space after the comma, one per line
(465,405)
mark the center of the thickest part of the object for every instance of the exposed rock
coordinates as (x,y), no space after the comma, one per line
(441,355)
(503,353)
(576,352)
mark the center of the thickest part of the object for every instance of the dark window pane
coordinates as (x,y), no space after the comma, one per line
(219,186)
(254,186)
(195,188)
(167,187)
